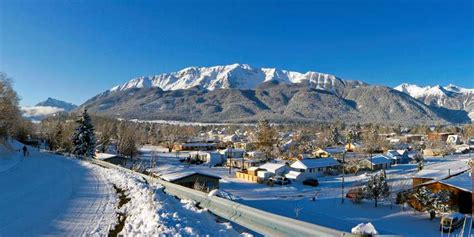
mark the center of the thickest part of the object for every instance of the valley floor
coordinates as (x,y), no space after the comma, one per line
(296,200)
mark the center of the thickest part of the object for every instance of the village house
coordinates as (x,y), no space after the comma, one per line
(256,155)
(333,151)
(250,174)
(376,162)
(211,158)
(193,179)
(311,168)
(398,156)
(231,138)
(353,146)
(243,163)
(413,138)
(432,152)
(320,153)
(195,146)
(233,153)
(275,168)
(438,137)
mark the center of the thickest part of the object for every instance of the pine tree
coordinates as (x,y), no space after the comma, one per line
(335,137)
(266,136)
(377,188)
(84,138)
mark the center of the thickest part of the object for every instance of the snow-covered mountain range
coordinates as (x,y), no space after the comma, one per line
(450,96)
(236,76)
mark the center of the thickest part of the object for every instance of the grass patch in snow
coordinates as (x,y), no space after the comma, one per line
(123,199)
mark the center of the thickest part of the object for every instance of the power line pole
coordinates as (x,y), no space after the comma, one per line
(343,173)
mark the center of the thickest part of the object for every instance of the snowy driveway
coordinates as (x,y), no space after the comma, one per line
(46,194)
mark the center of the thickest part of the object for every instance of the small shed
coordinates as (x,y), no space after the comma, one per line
(376,162)
(193,179)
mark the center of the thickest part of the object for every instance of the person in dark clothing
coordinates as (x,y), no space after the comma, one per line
(25,151)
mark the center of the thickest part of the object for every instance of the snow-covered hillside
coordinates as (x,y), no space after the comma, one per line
(239,76)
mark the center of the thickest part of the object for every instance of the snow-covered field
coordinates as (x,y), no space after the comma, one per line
(47,194)
(296,200)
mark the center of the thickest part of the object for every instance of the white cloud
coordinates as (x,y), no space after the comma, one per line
(39,111)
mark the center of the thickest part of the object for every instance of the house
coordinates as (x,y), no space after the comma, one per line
(335,150)
(438,137)
(192,179)
(212,158)
(398,156)
(231,138)
(251,174)
(304,156)
(460,188)
(244,145)
(432,152)
(353,146)
(195,146)
(233,153)
(243,163)
(453,140)
(256,155)
(311,168)
(275,168)
(412,138)
(376,162)
(320,153)
(112,158)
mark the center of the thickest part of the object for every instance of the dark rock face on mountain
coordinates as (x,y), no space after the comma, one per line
(274,100)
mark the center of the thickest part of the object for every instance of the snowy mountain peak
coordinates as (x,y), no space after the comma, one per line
(238,76)
(51,102)
(437,90)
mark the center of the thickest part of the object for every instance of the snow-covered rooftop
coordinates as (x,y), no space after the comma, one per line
(103,156)
(173,176)
(462,181)
(379,159)
(272,166)
(315,163)
(443,170)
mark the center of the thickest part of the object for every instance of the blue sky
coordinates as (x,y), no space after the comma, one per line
(72,50)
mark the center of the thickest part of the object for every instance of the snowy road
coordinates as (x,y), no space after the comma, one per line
(46,194)
(51,195)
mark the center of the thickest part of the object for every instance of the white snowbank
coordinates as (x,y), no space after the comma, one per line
(151,212)
(364,229)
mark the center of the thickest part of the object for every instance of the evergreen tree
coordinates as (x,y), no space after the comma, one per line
(84,138)
(335,136)
(266,136)
(377,188)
